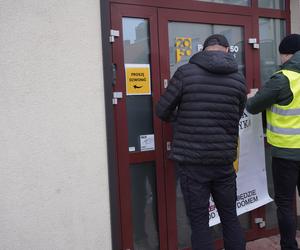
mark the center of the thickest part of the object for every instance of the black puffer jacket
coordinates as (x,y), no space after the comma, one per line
(206,99)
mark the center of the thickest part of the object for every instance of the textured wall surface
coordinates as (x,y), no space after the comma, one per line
(53,166)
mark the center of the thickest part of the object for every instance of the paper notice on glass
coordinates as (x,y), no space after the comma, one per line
(147,142)
(138,80)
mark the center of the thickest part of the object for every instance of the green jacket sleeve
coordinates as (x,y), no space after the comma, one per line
(275,91)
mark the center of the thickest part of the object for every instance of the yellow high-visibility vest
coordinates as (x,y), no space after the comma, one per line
(283,122)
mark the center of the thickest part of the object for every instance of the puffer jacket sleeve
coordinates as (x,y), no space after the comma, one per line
(169,101)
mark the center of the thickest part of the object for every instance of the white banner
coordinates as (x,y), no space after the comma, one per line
(252,189)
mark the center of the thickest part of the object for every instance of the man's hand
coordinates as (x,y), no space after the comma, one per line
(252,93)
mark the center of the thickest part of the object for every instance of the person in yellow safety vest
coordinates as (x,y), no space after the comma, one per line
(280,97)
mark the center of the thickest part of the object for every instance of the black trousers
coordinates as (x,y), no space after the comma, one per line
(286,179)
(197,183)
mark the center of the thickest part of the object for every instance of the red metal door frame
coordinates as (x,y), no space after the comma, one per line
(124,157)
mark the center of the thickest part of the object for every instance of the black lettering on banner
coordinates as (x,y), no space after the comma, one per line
(245,121)
(245,124)
(244,115)
(246,202)
(246,198)
(246,194)
(212,215)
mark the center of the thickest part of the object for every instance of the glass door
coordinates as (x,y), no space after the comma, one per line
(138,130)
(186,32)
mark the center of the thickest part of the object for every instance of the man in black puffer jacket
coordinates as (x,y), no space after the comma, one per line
(205,99)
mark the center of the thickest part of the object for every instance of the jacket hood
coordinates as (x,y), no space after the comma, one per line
(293,63)
(217,62)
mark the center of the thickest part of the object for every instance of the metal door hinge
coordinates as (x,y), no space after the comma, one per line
(256,46)
(116,96)
(254,43)
(113,35)
(252,40)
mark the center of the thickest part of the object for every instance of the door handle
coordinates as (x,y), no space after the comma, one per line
(168,146)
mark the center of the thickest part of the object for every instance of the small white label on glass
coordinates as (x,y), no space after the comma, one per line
(199,47)
(234,48)
(147,142)
(131,149)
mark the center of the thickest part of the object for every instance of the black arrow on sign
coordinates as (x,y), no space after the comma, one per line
(137,87)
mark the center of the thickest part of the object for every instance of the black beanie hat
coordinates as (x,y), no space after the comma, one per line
(290,44)
(216,39)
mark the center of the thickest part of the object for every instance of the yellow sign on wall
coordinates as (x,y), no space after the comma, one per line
(138,79)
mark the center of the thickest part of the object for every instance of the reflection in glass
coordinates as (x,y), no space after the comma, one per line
(234,2)
(139,107)
(136,40)
(191,36)
(144,206)
(272,4)
(271,32)
(139,118)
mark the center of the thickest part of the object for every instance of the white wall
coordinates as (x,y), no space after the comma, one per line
(53,164)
